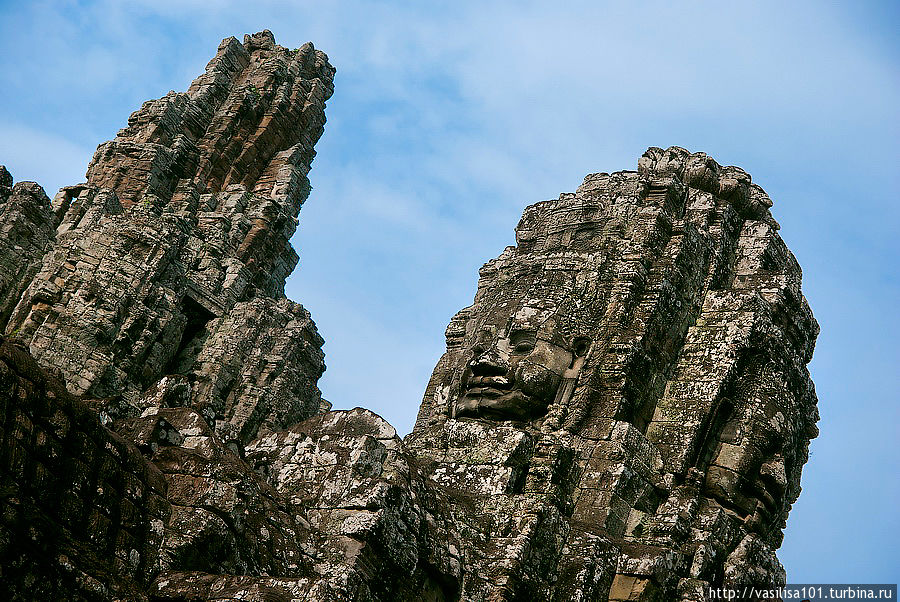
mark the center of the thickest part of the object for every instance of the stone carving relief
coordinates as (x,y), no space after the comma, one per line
(520,364)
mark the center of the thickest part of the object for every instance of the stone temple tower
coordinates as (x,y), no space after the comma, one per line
(622,413)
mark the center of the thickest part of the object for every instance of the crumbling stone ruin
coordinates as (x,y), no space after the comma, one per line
(622,414)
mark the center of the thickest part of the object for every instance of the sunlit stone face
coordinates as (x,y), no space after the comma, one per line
(515,365)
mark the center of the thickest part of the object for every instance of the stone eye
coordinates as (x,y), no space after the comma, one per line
(477,350)
(522,342)
(524,346)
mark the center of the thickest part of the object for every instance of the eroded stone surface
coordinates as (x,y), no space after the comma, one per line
(83,513)
(225,518)
(623,412)
(155,291)
(27,228)
(648,333)
(172,257)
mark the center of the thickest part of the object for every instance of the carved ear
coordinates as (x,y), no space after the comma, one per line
(580,347)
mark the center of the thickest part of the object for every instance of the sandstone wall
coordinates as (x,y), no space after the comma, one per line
(172,257)
(83,513)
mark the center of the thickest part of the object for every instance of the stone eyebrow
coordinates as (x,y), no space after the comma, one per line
(519,333)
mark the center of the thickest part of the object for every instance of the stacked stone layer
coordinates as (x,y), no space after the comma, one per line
(167,262)
(155,292)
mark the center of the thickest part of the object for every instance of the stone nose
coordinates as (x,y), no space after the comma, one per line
(774,472)
(489,361)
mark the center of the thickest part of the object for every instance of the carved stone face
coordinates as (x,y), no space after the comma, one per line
(751,470)
(514,368)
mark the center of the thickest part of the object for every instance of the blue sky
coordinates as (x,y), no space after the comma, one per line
(449,118)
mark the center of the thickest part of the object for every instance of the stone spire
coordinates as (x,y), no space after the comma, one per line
(646,340)
(171,259)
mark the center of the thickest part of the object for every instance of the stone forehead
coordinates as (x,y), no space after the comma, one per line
(561,310)
(534,311)
(564,300)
